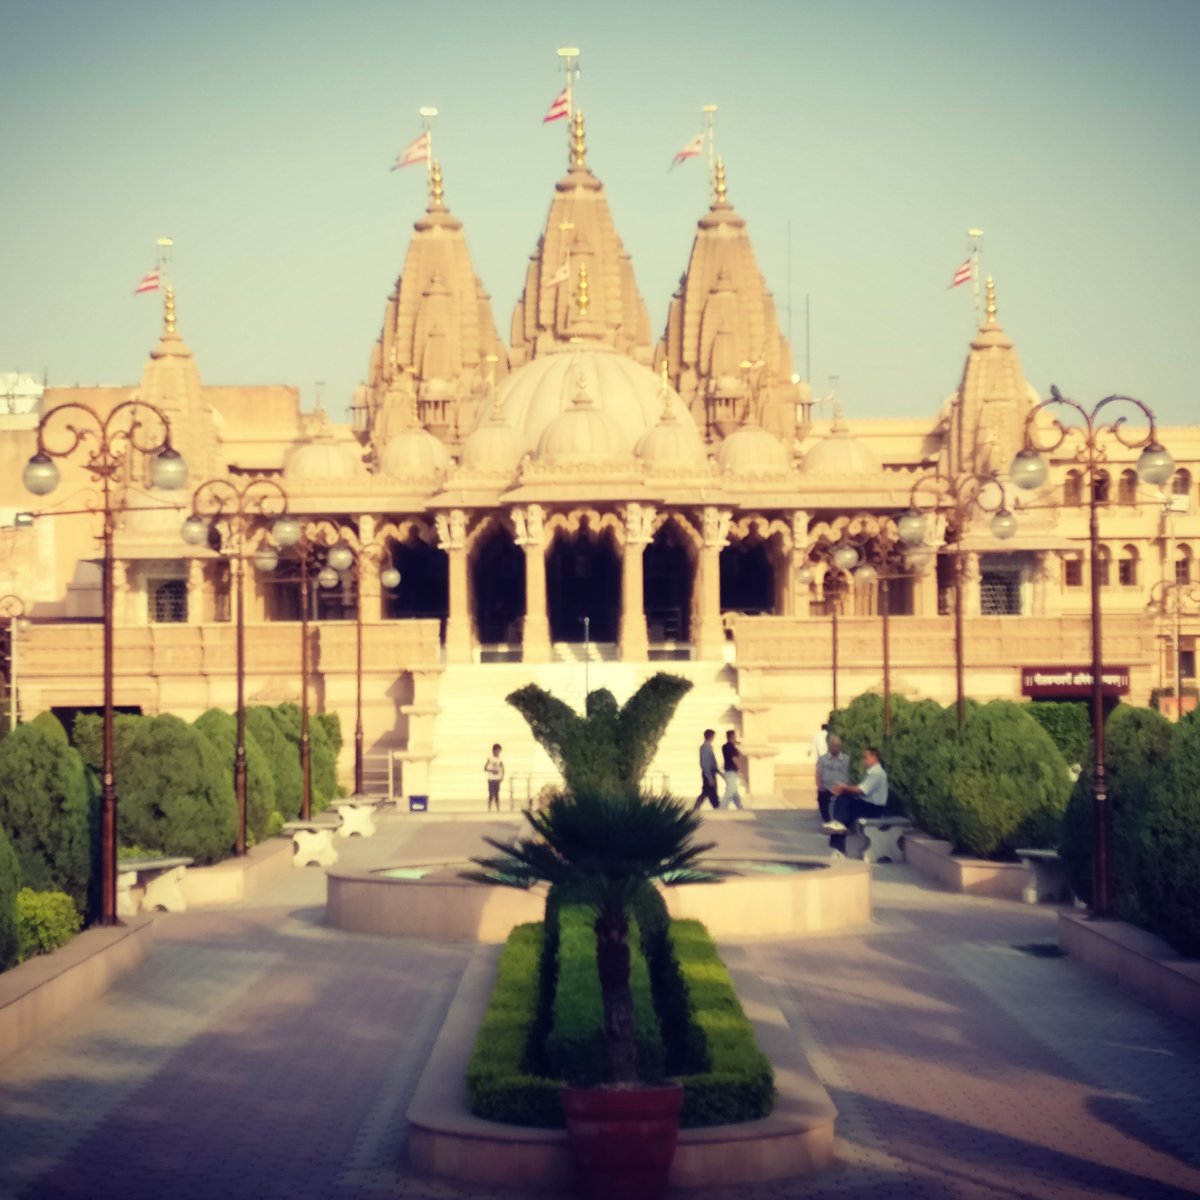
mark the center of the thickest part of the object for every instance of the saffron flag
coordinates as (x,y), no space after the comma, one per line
(417,151)
(963,274)
(559,109)
(149,282)
(560,276)
(691,150)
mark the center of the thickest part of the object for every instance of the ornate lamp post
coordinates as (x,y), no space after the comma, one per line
(218,503)
(955,495)
(1169,598)
(130,425)
(1029,470)
(12,610)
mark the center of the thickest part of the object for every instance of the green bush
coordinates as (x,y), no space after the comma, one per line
(1008,785)
(283,757)
(10,885)
(175,791)
(274,824)
(322,756)
(45,920)
(500,1086)
(51,726)
(1069,725)
(44,810)
(221,729)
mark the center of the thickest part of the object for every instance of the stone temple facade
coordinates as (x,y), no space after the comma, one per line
(582,499)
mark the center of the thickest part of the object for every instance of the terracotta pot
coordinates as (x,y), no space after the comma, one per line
(623,1139)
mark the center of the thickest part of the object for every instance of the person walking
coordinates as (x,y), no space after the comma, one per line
(732,770)
(708,771)
(493,768)
(854,800)
(833,767)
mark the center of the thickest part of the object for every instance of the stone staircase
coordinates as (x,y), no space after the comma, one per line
(473,714)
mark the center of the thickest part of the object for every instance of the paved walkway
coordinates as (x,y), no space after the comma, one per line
(258,1054)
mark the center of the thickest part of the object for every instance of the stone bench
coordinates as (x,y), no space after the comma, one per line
(312,843)
(885,837)
(357,816)
(161,881)
(1047,877)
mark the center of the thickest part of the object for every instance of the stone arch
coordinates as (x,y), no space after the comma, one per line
(669,570)
(583,576)
(497,573)
(411,546)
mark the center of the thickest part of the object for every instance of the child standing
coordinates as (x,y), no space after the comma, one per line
(494,770)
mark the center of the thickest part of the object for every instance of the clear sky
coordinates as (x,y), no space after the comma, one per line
(258,134)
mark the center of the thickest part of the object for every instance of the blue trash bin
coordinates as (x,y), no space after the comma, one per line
(418,803)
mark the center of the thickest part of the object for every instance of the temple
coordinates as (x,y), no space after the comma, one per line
(586,498)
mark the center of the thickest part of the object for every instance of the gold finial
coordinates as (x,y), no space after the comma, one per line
(169,310)
(435,186)
(581,293)
(991,301)
(578,142)
(721,181)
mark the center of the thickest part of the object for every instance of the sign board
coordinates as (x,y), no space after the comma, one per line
(1071,683)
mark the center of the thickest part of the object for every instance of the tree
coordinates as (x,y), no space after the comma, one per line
(283,758)
(10,885)
(220,728)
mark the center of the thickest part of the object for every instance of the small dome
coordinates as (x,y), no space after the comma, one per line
(414,453)
(582,434)
(320,460)
(841,454)
(493,448)
(751,450)
(671,443)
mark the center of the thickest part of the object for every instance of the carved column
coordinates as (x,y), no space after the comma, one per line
(452,535)
(121,598)
(710,636)
(970,568)
(535,641)
(639,529)
(796,596)
(197,601)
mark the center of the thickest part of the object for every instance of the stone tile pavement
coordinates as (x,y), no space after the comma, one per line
(259,1054)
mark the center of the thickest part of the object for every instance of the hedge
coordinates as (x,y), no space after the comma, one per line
(282,756)
(221,729)
(1069,725)
(500,1086)
(322,756)
(45,921)
(44,810)
(10,884)
(50,725)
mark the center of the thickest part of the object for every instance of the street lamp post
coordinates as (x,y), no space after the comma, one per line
(1170,597)
(130,425)
(956,495)
(12,610)
(1029,470)
(216,502)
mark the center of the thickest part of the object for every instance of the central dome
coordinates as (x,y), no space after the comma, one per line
(625,392)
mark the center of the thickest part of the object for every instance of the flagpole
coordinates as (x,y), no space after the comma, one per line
(427,114)
(975,235)
(162,254)
(569,56)
(710,138)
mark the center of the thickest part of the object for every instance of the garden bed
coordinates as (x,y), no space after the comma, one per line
(970,876)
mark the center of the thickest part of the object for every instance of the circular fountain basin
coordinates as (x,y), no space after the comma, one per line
(764,898)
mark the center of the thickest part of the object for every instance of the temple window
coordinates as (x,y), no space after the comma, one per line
(1127,567)
(1127,488)
(1181,484)
(168,601)
(1073,488)
(1183,564)
(1103,560)
(1073,572)
(1103,487)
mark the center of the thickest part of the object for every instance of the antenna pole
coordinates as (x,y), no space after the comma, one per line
(570,57)
(427,115)
(975,235)
(710,140)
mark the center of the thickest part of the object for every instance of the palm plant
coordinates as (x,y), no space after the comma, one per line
(603,846)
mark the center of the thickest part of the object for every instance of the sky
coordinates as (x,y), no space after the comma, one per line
(862,139)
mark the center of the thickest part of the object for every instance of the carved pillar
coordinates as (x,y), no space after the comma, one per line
(639,529)
(535,641)
(970,568)
(197,601)
(1047,598)
(452,535)
(796,596)
(710,636)
(121,598)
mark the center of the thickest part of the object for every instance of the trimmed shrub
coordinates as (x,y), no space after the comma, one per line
(1069,725)
(1008,785)
(500,1086)
(87,736)
(221,729)
(176,795)
(44,810)
(1137,745)
(10,884)
(45,921)
(51,726)
(284,759)
(323,758)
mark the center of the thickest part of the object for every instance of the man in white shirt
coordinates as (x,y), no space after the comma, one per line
(851,801)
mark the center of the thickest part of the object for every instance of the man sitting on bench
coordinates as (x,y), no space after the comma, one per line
(852,801)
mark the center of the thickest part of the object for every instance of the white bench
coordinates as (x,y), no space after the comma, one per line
(161,881)
(312,843)
(1047,877)
(357,816)
(885,837)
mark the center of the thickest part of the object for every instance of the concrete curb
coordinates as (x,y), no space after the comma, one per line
(968,876)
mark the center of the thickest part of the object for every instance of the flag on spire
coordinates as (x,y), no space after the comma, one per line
(691,150)
(560,276)
(417,151)
(559,110)
(963,274)
(149,282)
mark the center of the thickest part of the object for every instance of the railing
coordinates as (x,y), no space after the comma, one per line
(524,786)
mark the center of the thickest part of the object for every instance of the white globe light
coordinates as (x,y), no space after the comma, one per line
(918,559)
(866,574)
(41,475)
(266,559)
(912,527)
(286,531)
(168,470)
(1155,465)
(804,575)
(845,557)
(340,557)
(194,531)
(1028,469)
(328,577)
(389,577)
(1004,524)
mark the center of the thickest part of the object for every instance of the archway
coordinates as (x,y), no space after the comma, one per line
(747,577)
(498,587)
(583,579)
(423,590)
(667,577)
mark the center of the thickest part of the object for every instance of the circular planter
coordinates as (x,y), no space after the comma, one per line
(622,1140)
